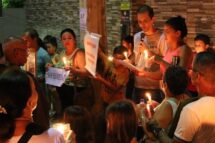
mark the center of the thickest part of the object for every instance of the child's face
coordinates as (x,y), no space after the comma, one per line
(126,45)
(50,49)
(118,57)
(200,46)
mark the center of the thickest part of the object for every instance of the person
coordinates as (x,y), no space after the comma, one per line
(201,43)
(174,85)
(81,124)
(114,77)
(75,90)
(121,122)
(178,53)
(50,44)
(128,43)
(2,59)
(152,41)
(18,100)
(199,126)
(197,121)
(15,51)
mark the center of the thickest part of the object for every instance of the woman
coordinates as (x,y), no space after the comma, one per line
(18,100)
(75,88)
(121,122)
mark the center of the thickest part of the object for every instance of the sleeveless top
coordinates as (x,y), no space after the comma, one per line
(76,80)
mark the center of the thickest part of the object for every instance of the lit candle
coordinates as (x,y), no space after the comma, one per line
(126,55)
(65,61)
(110,58)
(146,56)
(148,108)
(149,97)
(64,129)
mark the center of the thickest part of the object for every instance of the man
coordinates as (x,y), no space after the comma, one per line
(151,40)
(197,119)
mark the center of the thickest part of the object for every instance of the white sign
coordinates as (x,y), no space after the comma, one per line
(56,76)
(91,44)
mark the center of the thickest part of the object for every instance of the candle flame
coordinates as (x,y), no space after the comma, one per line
(148,107)
(110,58)
(60,127)
(146,55)
(64,61)
(126,55)
(149,97)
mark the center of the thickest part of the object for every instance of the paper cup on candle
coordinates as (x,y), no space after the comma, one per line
(146,58)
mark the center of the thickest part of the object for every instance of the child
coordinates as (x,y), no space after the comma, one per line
(201,42)
(114,78)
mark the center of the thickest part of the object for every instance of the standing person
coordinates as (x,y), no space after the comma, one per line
(121,122)
(33,41)
(76,89)
(128,43)
(18,100)
(152,40)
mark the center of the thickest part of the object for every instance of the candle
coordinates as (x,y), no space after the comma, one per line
(126,55)
(63,129)
(110,58)
(65,61)
(148,108)
(148,96)
(146,56)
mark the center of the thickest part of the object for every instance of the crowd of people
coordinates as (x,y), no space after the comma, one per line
(168,98)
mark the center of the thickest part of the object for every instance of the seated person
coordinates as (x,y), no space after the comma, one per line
(174,84)
(18,100)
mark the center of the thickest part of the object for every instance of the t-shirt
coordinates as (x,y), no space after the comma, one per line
(197,121)
(49,136)
(118,78)
(155,43)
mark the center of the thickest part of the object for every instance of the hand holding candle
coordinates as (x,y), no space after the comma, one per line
(63,129)
(146,57)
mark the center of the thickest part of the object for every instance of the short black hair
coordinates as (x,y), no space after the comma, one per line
(176,79)
(129,39)
(50,40)
(178,23)
(204,38)
(145,8)
(119,50)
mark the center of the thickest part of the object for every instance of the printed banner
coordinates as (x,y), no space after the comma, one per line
(91,44)
(56,76)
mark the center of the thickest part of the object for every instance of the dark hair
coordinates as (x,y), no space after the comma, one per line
(204,38)
(129,39)
(176,79)
(34,34)
(15,89)
(204,62)
(178,24)
(119,50)
(145,8)
(122,120)
(80,122)
(68,30)
(50,40)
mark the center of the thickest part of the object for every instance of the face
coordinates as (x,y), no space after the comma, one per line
(50,48)
(31,43)
(171,35)
(126,45)
(21,53)
(200,46)
(145,22)
(68,40)
(118,57)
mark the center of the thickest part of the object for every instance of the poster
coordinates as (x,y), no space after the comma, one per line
(91,44)
(56,76)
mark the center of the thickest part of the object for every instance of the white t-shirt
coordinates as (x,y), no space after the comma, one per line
(197,121)
(49,136)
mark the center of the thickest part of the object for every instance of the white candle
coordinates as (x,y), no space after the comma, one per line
(126,55)
(146,56)
(148,108)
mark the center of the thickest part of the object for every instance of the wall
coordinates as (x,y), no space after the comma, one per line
(199,15)
(52,16)
(12,22)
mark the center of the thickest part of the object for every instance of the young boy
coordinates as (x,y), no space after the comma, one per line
(201,42)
